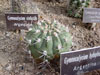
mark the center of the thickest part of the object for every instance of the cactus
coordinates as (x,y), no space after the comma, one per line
(76,8)
(48,40)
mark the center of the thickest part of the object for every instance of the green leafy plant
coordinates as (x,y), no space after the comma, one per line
(47,40)
(76,7)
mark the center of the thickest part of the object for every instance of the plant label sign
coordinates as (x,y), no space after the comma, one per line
(20,21)
(81,61)
(91,15)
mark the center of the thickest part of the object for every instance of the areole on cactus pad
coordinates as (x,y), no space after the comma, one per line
(48,40)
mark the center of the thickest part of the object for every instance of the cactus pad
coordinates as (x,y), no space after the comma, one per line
(47,40)
(76,7)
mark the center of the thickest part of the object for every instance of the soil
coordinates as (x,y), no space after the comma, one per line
(15,58)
